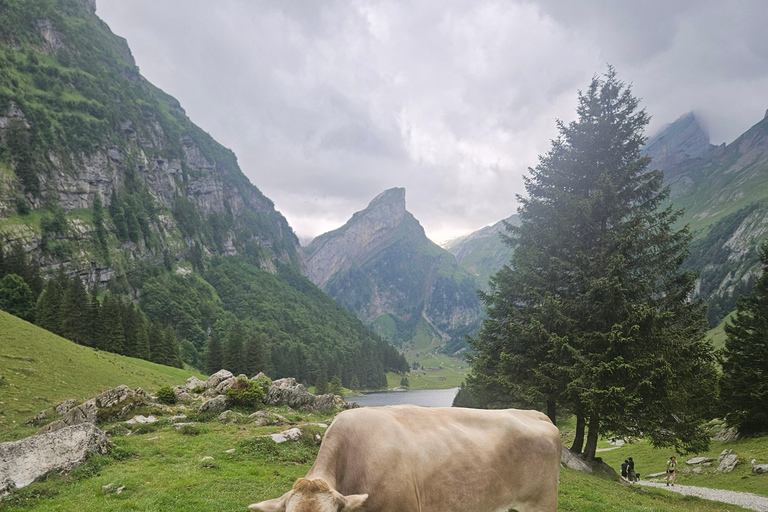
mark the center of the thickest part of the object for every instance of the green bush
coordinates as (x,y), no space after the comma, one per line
(199,389)
(245,393)
(263,382)
(166,395)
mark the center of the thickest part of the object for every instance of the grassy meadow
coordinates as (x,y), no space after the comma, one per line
(39,369)
(439,371)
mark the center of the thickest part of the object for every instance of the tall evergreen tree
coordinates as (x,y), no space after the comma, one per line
(94,318)
(75,312)
(233,353)
(744,384)
(113,330)
(215,360)
(49,304)
(593,311)
(142,339)
(17,298)
(253,354)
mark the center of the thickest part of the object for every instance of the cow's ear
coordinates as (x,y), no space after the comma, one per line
(354,502)
(275,505)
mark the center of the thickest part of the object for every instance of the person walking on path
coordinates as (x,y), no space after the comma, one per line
(671,470)
(624,466)
(631,470)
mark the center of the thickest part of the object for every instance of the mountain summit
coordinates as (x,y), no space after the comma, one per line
(381,266)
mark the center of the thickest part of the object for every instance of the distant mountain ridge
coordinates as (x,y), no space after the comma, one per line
(483,252)
(382,267)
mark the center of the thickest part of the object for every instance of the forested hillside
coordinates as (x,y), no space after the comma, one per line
(132,213)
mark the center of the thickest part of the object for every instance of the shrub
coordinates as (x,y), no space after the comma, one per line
(199,389)
(245,393)
(263,382)
(166,395)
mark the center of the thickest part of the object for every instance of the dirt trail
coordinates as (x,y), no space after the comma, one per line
(742,499)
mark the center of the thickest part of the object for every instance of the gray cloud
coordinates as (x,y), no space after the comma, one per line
(327,104)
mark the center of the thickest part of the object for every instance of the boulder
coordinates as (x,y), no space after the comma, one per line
(570,460)
(292,434)
(288,392)
(142,419)
(697,469)
(38,418)
(728,460)
(64,407)
(216,404)
(209,393)
(181,393)
(176,419)
(217,377)
(114,396)
(83,413)
(23,462)
(143,394)
(726,435)
(259,376)
(760,468)
(193,382)
(697,460)
(222,387)
(228,416)
(179,426)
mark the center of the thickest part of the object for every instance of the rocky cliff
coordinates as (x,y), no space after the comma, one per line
(381,266)
(79,125)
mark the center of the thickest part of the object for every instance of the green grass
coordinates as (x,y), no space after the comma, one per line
(717,334)
(40,369)
(440,371)
(650,460)
(162,470)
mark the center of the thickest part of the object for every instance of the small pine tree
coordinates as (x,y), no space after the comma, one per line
(215,360)
(354,383)
(75,312)
(233,353)
(142,339)
(321,382)
(405,382)
(49,314)
(335,386)
(113,330)
(17,298)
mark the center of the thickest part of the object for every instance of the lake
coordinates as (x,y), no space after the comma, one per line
(423,397)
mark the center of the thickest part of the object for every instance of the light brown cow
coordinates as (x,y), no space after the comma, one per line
(418,459)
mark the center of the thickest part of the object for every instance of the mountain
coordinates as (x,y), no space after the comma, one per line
(483,253)
(104,177)
(681,140)
(382,267)
(725,196)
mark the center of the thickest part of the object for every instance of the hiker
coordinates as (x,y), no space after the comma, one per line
(624,466)
(671,470)
(631,470)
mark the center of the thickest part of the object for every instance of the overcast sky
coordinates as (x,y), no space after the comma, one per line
(328,103)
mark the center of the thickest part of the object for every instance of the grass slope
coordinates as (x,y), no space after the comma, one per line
(162,469)
(650,460)
(39,369)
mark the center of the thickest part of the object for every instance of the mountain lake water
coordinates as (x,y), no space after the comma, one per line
(422,397)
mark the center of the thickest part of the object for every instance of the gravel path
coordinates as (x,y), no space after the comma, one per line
(742,499)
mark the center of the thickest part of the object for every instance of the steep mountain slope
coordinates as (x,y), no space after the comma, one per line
(381,266)
(483,253)
(725,196)
(78,121)
(104,176)
(681,140)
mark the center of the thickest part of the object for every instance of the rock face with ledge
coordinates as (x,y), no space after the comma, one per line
(22,462)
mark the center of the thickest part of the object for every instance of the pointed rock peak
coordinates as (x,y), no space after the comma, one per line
(683,139)
(766,114)
(392,196)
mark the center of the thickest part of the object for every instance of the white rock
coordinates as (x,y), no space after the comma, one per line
(760,469)
(697,460)
(142,419)
(231,450)
(193,382)
(292,434)
(179,426)
(217,377)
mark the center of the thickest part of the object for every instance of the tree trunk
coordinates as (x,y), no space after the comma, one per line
(578,441)
(591,448)
(552,410)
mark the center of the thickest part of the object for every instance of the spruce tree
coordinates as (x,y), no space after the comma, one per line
(113,330)
(215,360)
(253,356)
(321,382)
(17,298)
(593,311)
(142,339)
(75,312)
(233,353)
(744,384)
(49,305)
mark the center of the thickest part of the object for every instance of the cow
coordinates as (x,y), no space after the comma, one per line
(406,458)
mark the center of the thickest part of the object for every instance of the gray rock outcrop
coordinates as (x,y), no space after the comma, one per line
(222,387)
(84,413)
(697,460)
(760,468)
(216,404)
(572,461)
(22,462)
(288,392)
(66,406)
(217,377)
(727,461)
(193,382)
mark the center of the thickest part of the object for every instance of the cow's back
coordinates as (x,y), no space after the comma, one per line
(442,459)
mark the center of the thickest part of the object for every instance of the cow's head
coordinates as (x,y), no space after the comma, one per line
(312,496)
